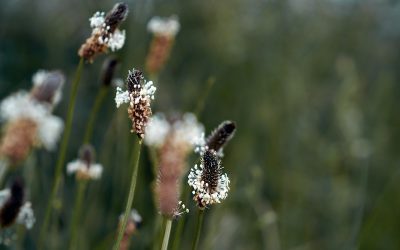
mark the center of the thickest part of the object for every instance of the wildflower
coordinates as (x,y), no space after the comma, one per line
(221,135)
(105,33)
(173,139)
(168,27)
(28,117)
(13,209)
(47,86)
(171,166)
(85,167)
(186,130)
(157,131)
(139,95)
(164,30)
(108,71)
(217,139)
(209,184)
(134,222)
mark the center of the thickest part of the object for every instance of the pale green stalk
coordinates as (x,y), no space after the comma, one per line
(130,196)
(62,153)
(200,217)
(76,214)
(167,232)
(93,114)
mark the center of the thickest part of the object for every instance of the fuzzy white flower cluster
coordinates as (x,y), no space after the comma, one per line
(186,130)
(202,190)
(134,216)
(97,20)
(92,171)
(40,77)
(114,40)
(164,26)
(121,97)
(181,209)
(157,130)
(25,216)
(22,105)
(200,144)
(147,91)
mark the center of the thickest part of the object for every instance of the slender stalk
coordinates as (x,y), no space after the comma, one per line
(203,97)
(181,221)
(93,114)
(200,217)
(62,152)
(130,196)
(3,170)
(159,229)
(167,232)
(76,214)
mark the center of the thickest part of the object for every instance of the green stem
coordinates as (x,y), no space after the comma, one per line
(93,114)
(76,214)
(3,170)
(200,217)
(202,99)
(182,220)
(159,229)
(62,152)
(167,232)
(130,196)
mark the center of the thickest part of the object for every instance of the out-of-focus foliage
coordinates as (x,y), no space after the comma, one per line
(313,85)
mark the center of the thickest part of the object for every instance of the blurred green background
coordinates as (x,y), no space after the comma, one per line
(312,84)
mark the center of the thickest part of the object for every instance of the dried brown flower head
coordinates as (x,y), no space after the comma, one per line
(140,95)
(164,30)
(105,32)
(18,139)
(159,52)
(172,163)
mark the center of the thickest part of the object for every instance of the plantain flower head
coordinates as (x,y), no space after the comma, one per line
(164,31)
(217,140)
(85,166)
(209,184)
(28,117)
(13,209)
(139,95)
(105,33)
(167,26)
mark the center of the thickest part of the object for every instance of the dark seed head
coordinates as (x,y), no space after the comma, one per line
(134,80)
(221,135)
(87,154)
(212,169)
(9,211)
(108,70)
(115,16)
(47,90)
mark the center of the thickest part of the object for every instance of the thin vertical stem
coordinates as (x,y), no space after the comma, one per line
(182,220)
(200,217)
(93,114)
(130,196)
(203,97)
(76,214)
(167,232)
(62,152)
(3,170)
